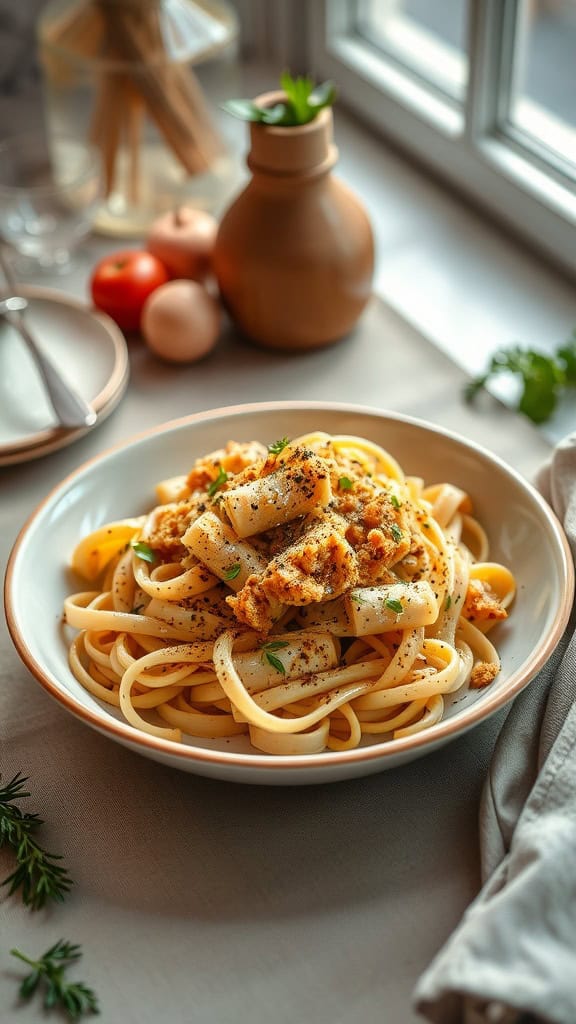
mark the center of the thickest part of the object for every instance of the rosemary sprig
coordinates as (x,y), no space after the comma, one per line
(37,874)
(75,998)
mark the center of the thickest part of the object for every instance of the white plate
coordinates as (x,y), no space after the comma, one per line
(85,345)
(523,532)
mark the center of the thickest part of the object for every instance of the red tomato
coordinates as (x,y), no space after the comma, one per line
(121,283)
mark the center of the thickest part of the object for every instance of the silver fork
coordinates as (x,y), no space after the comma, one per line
(72,410)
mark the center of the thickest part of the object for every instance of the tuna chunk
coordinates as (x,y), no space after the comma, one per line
(319,566)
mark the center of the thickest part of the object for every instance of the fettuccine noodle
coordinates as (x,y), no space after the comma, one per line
(307,595)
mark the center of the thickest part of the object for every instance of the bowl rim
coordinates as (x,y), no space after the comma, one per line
(169,749)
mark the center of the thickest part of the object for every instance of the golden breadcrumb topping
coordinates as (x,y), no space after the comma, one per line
(482,603)
(483,673)
(232,459)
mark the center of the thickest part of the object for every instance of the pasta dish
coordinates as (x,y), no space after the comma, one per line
(306,593)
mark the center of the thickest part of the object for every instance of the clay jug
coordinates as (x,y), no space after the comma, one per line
(294,254)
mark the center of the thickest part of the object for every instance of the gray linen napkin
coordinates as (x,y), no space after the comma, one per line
(513,956)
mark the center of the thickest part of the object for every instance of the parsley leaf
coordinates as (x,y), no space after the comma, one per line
(268,653)
(395,501)
(275,662)
(543,377)
(278,446)
(394,605)
(396,533)
(218,482)
(345,483)
(143,551)
(233,571)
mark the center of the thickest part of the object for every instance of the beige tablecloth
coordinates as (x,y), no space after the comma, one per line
(197,900)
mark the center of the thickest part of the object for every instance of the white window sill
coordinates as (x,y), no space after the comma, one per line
(464,282)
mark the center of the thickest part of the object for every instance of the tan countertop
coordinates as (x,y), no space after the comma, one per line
(204,901)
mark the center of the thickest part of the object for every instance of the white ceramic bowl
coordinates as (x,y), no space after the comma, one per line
(523,533)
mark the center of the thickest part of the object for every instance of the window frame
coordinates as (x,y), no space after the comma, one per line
(508,174)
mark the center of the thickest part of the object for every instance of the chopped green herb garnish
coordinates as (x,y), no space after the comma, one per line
(395,501)
(143,551)
(278,446)
(396,533)
(37,874)
(345,483)
(233,571)
(447,602)
(74,998)
(218,482)
(275,662)
(273,645)
(394,605)
(268,650)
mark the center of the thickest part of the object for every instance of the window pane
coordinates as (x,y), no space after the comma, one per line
(426,36)
(542,100)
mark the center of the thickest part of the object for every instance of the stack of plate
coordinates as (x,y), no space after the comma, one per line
(88,349)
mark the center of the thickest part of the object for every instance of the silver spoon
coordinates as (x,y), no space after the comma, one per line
(72,410)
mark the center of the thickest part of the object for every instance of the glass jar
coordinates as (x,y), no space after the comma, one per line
(141,81)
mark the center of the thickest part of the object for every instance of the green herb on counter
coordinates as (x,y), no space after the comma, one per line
(37,875)
(303,101)
(75,998)
(543,377)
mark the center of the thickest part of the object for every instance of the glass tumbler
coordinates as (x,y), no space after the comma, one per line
(49,193)
(142,80)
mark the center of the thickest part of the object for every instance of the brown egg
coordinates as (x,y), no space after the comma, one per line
(181,321)
(183,240)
